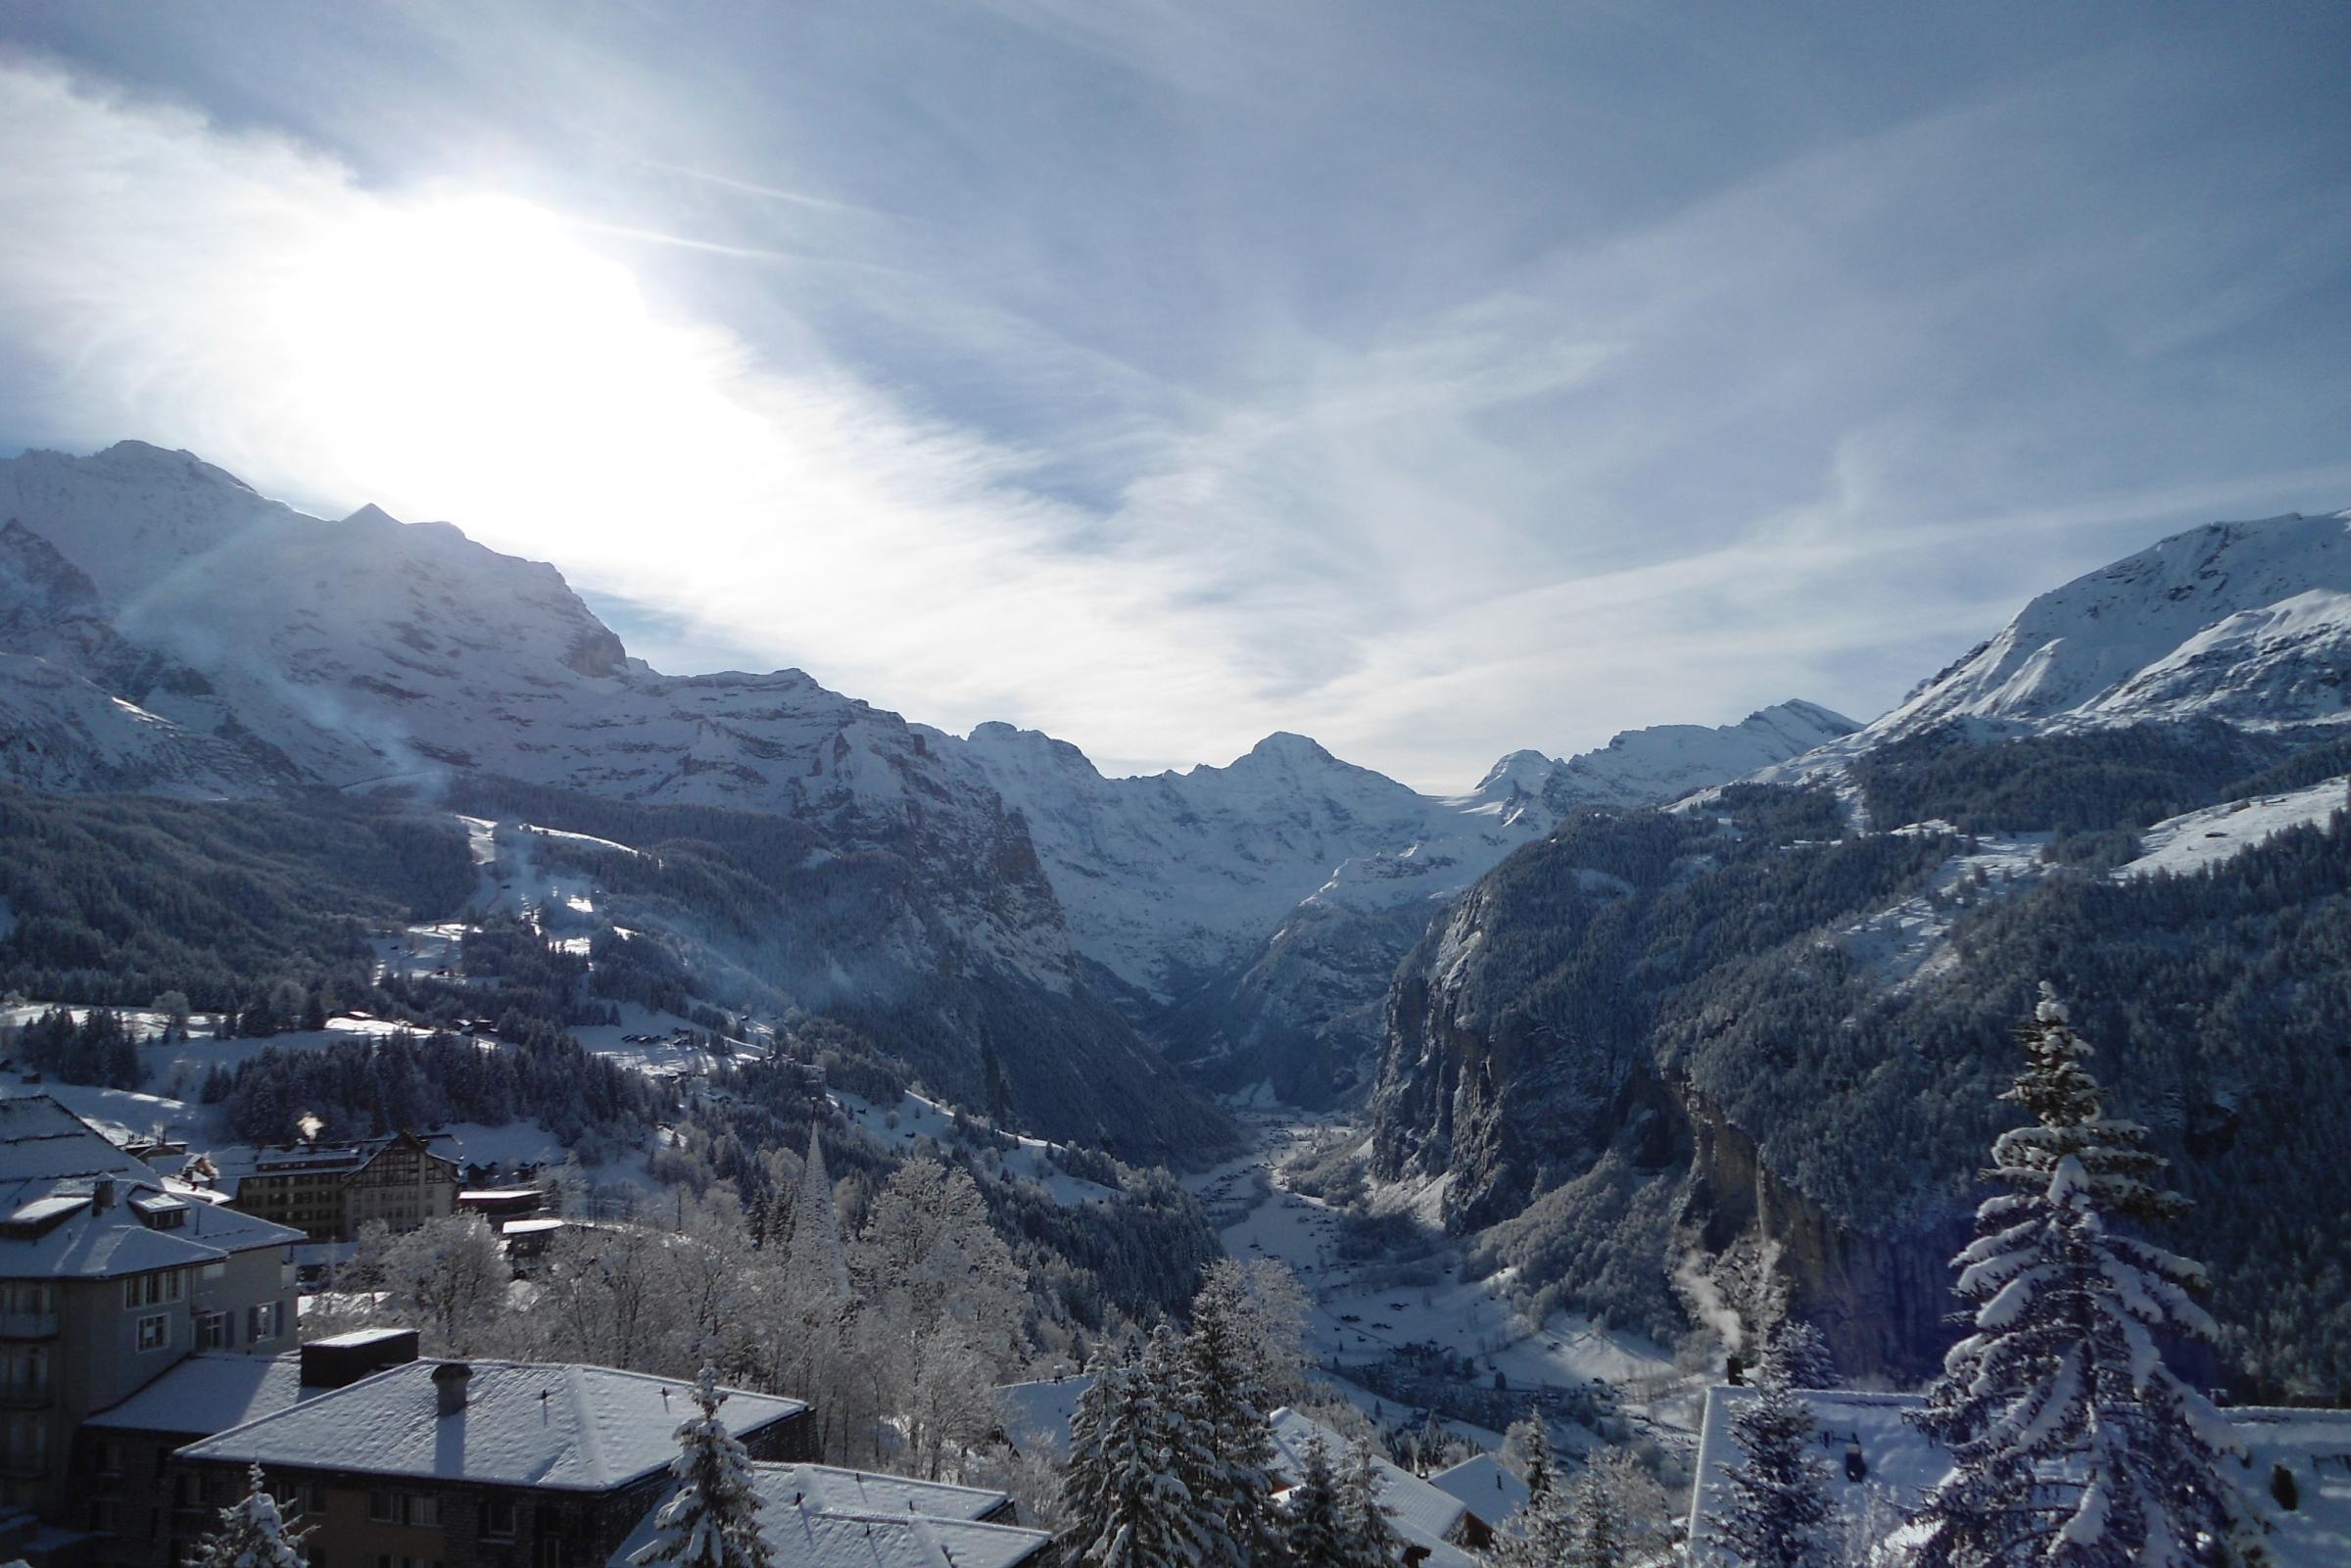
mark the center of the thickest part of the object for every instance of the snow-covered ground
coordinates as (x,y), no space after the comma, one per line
(1356,1321)
(914,1118)
(2207,837)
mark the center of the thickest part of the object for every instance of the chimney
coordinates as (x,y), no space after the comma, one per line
(449,1383)
(340,1362)
(102,1194)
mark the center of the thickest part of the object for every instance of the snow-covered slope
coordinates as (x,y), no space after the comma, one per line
(60,733)
(2246,623)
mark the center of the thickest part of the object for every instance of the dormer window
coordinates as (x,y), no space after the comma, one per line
(160,1213)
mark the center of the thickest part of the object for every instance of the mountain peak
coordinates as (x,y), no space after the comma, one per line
(371,516)
(1521,771)
(1285,747)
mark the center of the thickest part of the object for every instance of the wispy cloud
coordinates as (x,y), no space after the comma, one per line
(1206,400)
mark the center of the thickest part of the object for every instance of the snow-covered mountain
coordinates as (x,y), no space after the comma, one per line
(173,629)
(1252,914)
(2246,623)
(1171,877)
(168,628)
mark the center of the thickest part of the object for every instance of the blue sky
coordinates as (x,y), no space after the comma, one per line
(1435,380)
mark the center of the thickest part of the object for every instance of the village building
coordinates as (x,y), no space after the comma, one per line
(1437,1529)
(470,1464)
(126,1492)
(2295,1477)
(1486,1486)
(817,1516)
(329,1191)
(110,1278)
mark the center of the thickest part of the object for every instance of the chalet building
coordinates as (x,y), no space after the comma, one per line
(468,1465)
(108,1278)
(328,1191)
(126,1494)
(1437,1528)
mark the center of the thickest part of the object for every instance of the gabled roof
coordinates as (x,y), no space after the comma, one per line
(818,1516)
(550,1424)
(42,1141)
(864,1491)
(85,1227)
(1485,1486)
(1424,1515)
(1902,1463)
(209,1391)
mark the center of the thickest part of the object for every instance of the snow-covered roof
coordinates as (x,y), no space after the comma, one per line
(1037,1415)
(42,1141)
(865,1492)
(209,1391)
(819,1516)
(1423,1515)
(546,1424)
(98,1228)
(1486,1486)
(1902,1463)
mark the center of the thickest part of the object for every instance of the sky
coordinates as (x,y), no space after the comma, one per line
(1437,381)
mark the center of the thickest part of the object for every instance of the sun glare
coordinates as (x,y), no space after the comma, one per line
(476,346)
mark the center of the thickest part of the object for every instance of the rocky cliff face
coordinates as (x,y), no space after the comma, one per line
(1794,1031)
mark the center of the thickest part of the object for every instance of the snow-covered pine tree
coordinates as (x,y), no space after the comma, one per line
(1595,1539)
(1804,1355)
(1129,1507)
(1528,1443)
(253,1534)
(712,1519)
(1235,1482)
(2072,1445)
(1314,1536)
(1541,1532)
(1371,1541)
(1778,1512)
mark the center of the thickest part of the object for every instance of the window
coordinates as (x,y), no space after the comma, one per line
(403,1508)
(151,1290)
(213,1332)
(155,1331)
(550,1553)
(498,1518)
(264,1321)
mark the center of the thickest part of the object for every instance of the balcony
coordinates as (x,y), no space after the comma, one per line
(29,1325)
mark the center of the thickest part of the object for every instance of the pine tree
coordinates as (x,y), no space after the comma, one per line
(1314,1537)
(1779,1511)
(1234,1485)
(1370,1540)
(1595,1540)
(712,1519)
(1129,1507)
(1529,1442)
(2072,1443)
(1804,1355)
(253,1534)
